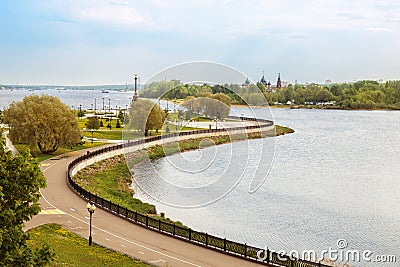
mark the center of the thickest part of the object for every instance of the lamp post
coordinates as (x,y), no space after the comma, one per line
(95,105)
(103,102)
(109,105)
(91,208)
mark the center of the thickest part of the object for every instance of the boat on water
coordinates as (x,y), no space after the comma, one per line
(104,91)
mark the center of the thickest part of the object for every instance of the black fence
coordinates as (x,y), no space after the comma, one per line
(266,257)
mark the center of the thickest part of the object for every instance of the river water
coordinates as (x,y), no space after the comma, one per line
(337,177)
(89,99)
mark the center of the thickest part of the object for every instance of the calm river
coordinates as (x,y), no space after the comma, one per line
(337,177)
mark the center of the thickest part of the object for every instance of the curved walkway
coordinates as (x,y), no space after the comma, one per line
(62,206)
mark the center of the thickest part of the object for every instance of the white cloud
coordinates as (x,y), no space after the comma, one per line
(232,19)
(115,12)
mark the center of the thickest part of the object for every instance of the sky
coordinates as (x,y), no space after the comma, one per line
(94,42)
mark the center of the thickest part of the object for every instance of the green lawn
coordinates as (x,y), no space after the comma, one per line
(73,250)
(82,124)
(104,134)
(282,130)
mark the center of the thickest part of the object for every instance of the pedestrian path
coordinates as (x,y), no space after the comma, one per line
(9,145)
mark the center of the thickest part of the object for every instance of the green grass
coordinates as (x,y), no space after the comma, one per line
(185,128)
(202,119)
(282,130)
(62,150)
(104,134)
(73,250)
(115,187)
(82,124)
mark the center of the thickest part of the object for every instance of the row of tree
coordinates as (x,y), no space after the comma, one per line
(176,90)
(358,95)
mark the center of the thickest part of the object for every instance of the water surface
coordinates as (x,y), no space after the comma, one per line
(336,177)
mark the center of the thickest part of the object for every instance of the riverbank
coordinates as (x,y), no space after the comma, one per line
(117,185)
(320,107)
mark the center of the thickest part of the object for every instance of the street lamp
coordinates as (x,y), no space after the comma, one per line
(91,208)
(103,102)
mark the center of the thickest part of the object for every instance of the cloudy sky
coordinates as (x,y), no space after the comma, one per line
(83,42)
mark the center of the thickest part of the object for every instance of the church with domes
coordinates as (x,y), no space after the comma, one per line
(268,86)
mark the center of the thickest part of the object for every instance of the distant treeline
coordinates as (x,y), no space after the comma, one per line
(357,95)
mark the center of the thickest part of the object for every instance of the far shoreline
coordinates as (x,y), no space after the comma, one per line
(283,106)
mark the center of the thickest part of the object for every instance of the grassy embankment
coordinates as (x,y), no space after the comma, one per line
(72,250)
(117,185)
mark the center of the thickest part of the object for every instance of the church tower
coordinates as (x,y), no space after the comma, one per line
(279,82)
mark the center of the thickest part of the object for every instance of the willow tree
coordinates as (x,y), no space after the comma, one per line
(42,121)
(217,105)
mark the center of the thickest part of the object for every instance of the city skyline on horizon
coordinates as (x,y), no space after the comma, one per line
(103,42)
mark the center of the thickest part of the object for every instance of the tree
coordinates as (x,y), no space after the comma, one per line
(121,115)
(43,121)
(20,182)
(93,123)
(145,116)
(81,113)
(217,105)
(323,96)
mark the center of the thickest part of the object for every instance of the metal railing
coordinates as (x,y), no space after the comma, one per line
(266,257)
